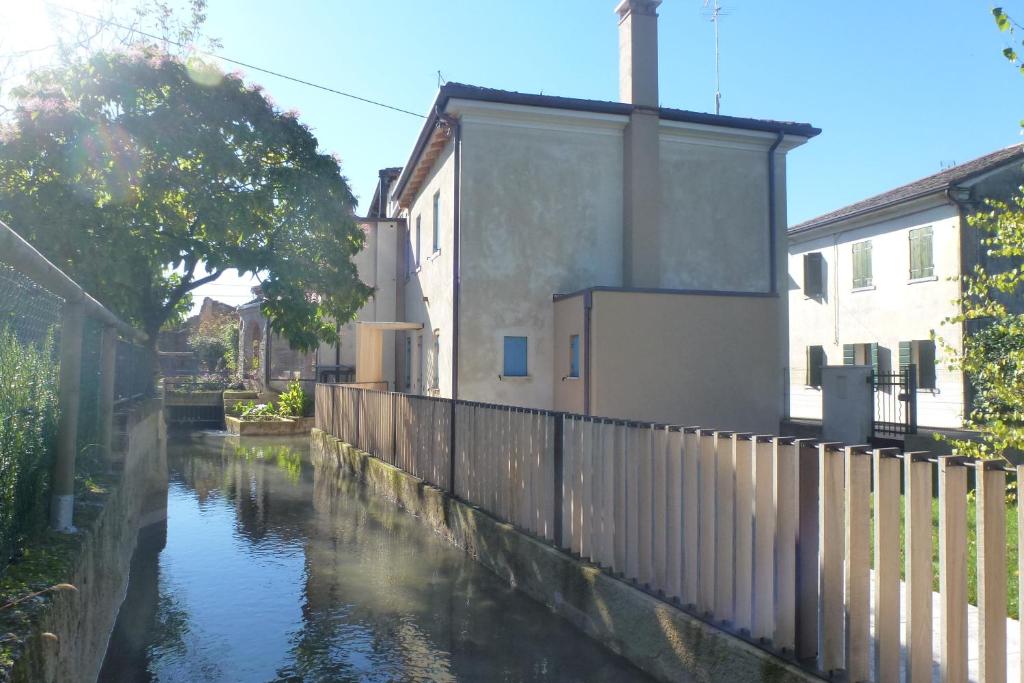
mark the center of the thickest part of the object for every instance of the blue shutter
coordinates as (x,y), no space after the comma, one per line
(574,355)
(515,357)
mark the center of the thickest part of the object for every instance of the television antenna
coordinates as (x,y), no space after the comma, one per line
(714,11)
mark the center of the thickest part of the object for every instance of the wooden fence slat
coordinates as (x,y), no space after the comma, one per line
(608,495)
(831,555)
(992,575)
(633,468)
(953,568)
(787,485)
(659,483)
(742,463)
(645,504)
(708,477)
(586,483)
(621,532)
(918,566)
(724,528)
(858,563)
(887,565)
(691,516)
(763,589)
(674,510)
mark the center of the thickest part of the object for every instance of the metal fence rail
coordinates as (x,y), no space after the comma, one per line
(65,361)
(782,541)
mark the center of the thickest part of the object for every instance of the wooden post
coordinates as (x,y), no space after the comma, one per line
(953,568)
(887,564)
(63,498)
(743,466)
(788,485)
(807,550)
(918,565)
(831,533)
(763,589)
(858,565)
(724,528)
(991,535)
(706,551)
(108,358)
(674,528)
(691,514)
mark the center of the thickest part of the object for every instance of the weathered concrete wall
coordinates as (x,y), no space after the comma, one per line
(82,621)
(660,639)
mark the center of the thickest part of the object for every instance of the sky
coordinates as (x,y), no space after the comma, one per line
(899,89)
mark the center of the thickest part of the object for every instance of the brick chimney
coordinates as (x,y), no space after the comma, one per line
(641,184)
(638,52)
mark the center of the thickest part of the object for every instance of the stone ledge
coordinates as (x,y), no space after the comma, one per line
(660,639)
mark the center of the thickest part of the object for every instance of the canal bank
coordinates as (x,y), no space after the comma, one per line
(275,568)
(63,635)
(660,639)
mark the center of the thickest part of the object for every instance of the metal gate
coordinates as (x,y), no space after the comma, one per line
(896,402)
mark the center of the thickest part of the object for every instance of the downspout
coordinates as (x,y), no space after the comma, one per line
(773,270)
(588,306)
(962,209)
(456,132)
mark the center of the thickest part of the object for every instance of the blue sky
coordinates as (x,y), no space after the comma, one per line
(898,88)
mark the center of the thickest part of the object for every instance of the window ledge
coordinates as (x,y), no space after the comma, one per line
(568,378)
(915,280)
(515,378)
(434,255)
(868,288)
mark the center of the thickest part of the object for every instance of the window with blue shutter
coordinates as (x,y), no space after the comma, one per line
(515,357)
(574,355)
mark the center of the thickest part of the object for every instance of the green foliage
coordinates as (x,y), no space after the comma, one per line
(216,345)
(992,354)
(1007,25)
(294,402)
(260,412)
(134,172)
(28,419)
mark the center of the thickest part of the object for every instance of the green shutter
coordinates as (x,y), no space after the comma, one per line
(849,354)
(921,264)
(906,354)
(862,264)
(813,272)
(926,364)
(874,357)
(815,361)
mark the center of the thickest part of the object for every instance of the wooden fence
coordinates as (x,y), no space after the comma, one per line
(788,543)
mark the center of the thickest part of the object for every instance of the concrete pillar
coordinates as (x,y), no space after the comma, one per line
(108,357)
(63,497)
(638,52)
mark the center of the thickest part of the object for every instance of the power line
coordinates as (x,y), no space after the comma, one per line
(237,62)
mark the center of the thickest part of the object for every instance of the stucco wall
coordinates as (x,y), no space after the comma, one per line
(541,214)
(892,310)
(569,391)
(687,359)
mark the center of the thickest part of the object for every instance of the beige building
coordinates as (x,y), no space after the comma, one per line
(611,258)
(872,283)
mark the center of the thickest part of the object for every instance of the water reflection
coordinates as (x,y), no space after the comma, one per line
(271,570)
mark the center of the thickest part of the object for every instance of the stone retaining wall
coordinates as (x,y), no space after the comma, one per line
(109,527)
(666,642)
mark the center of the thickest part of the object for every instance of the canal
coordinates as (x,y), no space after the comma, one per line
(268,570)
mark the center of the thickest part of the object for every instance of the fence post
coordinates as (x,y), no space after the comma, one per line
(807,599)
(991,563)
(557,498)
(63,500)
(918,565)
(451,450)
(953,567)
(108,356)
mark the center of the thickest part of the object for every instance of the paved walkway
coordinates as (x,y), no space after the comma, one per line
(1012,638)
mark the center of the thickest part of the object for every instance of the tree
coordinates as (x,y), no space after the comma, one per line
(992,356)
(134,171)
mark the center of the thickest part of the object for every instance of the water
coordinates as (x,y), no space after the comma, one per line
(268,571)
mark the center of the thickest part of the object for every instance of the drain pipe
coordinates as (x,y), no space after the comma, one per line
(455,130)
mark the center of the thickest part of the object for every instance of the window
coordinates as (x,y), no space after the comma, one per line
(921,263)
(408,362)
(574,355)
(419,356)
(862,264)
(408,255)
(814,275)
(862,354)
(416,244)
(921,354)
(436,375)
(515,357)
(437,221)
(815,361)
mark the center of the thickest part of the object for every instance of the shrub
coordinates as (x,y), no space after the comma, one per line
(294,402)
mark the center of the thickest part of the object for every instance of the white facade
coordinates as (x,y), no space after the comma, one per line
(894,308)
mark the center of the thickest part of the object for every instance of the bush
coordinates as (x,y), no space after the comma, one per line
(28,424)
(294,402)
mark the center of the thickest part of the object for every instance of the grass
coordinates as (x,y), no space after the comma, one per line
(1013,578)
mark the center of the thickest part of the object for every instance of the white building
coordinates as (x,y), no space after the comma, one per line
(873,283)
(610,258)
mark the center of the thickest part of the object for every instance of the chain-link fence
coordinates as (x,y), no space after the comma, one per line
(55,431)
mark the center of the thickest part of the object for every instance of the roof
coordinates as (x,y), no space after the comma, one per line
(932,184)
(462,91)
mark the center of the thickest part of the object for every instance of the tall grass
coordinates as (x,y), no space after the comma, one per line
(28,420)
